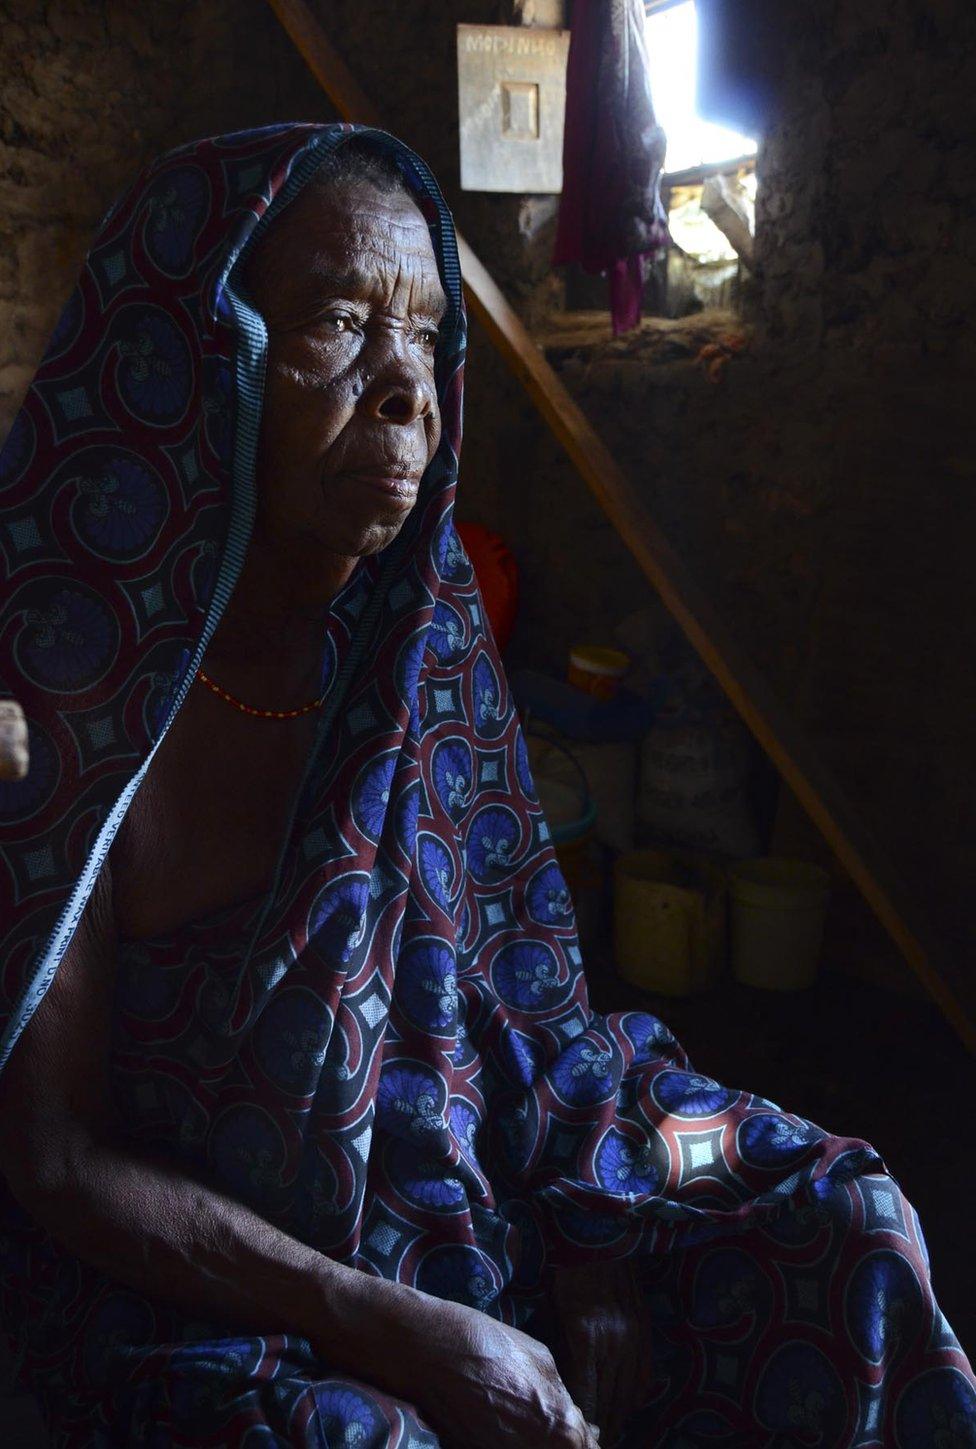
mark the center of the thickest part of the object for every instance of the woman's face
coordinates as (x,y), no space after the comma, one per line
(346,280)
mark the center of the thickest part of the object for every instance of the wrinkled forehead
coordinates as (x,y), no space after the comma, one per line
(344,232)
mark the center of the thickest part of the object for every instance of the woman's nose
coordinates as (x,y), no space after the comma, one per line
(402,402)
(401,389)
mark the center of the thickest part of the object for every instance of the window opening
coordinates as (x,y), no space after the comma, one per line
(671,34)
(709,171)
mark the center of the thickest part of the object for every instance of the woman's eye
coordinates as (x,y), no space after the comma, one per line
(338,322)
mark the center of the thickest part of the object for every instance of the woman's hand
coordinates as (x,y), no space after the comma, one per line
(13,741)
(478,1383)
(602,1342)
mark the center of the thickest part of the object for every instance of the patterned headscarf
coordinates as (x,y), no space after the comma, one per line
(127,486)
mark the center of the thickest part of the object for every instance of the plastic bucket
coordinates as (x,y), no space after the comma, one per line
(778,911)
(596,670)
(570,818)
(669,921)
(611,771)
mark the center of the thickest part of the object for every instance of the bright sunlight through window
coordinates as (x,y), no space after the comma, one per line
(672,47)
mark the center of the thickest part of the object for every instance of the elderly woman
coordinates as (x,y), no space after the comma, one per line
(309,1134)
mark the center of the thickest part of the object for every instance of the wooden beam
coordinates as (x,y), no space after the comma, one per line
(692,175)
(770,722)
(325,62)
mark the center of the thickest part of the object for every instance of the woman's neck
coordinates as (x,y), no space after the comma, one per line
(274,622)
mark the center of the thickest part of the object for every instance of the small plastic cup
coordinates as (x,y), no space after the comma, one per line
(597,670)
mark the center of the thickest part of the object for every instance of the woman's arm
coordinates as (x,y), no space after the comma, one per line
(145,1221)
(148,1224)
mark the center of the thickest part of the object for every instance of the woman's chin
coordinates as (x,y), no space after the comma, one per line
(339,534)
(370,536)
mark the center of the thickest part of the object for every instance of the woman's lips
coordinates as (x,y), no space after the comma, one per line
(397,486)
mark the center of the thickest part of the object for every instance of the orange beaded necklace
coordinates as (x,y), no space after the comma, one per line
(224,694)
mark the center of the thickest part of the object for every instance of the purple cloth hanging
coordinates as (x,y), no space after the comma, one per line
(611,217)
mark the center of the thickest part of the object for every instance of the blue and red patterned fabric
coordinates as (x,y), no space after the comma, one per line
(390,1054)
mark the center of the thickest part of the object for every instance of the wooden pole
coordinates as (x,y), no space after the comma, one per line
(770,722)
